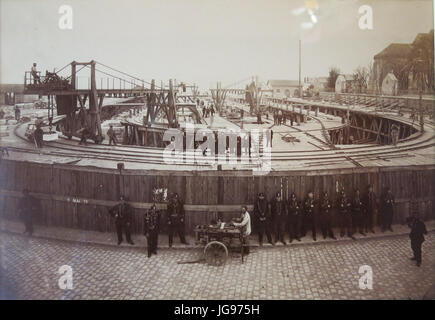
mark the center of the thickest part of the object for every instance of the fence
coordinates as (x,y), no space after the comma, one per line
(78,197)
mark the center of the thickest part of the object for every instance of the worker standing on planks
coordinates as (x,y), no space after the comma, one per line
(17,112)
(38,135)
(394,134)
(84,135)
(112,136)
(34,72)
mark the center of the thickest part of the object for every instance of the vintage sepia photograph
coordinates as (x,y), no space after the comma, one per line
(198,150)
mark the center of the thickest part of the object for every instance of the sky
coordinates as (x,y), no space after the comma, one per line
(204,41)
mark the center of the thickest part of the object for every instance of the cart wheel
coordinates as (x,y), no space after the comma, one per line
(216,253)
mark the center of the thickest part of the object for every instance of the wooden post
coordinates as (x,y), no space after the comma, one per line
(93,103)
(73,74)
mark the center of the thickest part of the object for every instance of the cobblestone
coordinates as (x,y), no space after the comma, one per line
(327,270)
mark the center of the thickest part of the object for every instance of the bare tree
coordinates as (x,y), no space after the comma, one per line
(362,76)
(333,75)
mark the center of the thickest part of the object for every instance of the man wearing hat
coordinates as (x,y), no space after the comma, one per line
(387,203)
(151,229)
(418,230)
(279,216)
(122,213)
(35,75)
(175,215)
(294,217)
(326,216)
(112,136)
(262,216)
(345,217)
(310,215)
(357,213)
(370,209)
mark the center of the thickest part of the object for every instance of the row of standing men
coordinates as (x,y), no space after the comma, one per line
(296,217)
(122,213)
(355,213)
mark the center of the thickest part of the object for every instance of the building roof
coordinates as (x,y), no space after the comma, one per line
(423,36)
(390,76)
(395,50)
(347,77)
(322,79)
(283,83)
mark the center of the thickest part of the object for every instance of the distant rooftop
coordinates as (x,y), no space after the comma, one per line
(402,50)
(348,77)
(283,83)
(395,50)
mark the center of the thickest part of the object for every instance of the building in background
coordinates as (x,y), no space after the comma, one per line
(390,85)
(284,88)
(411,63)
(345,83)
(319,84)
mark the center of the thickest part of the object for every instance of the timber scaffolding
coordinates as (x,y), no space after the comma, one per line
(359,126)
(77,195)
(368,123)
(64,92)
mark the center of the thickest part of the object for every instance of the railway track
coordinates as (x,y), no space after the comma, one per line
(154,156)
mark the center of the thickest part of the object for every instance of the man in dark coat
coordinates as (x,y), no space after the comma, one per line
(175,215)
(418,230)
(17,113)
(84,135)
(294,217)
(122,213)
(387,205)
(262,218)
(28,209)
(151,228)
(345,215)
(38,135)
(370,210)
(310,215)
(326,216)
(279,217)
(357,213)
(112,136)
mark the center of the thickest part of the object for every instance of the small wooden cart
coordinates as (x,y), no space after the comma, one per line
(217,241)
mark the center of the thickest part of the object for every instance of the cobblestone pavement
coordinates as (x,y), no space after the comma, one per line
(29,269)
